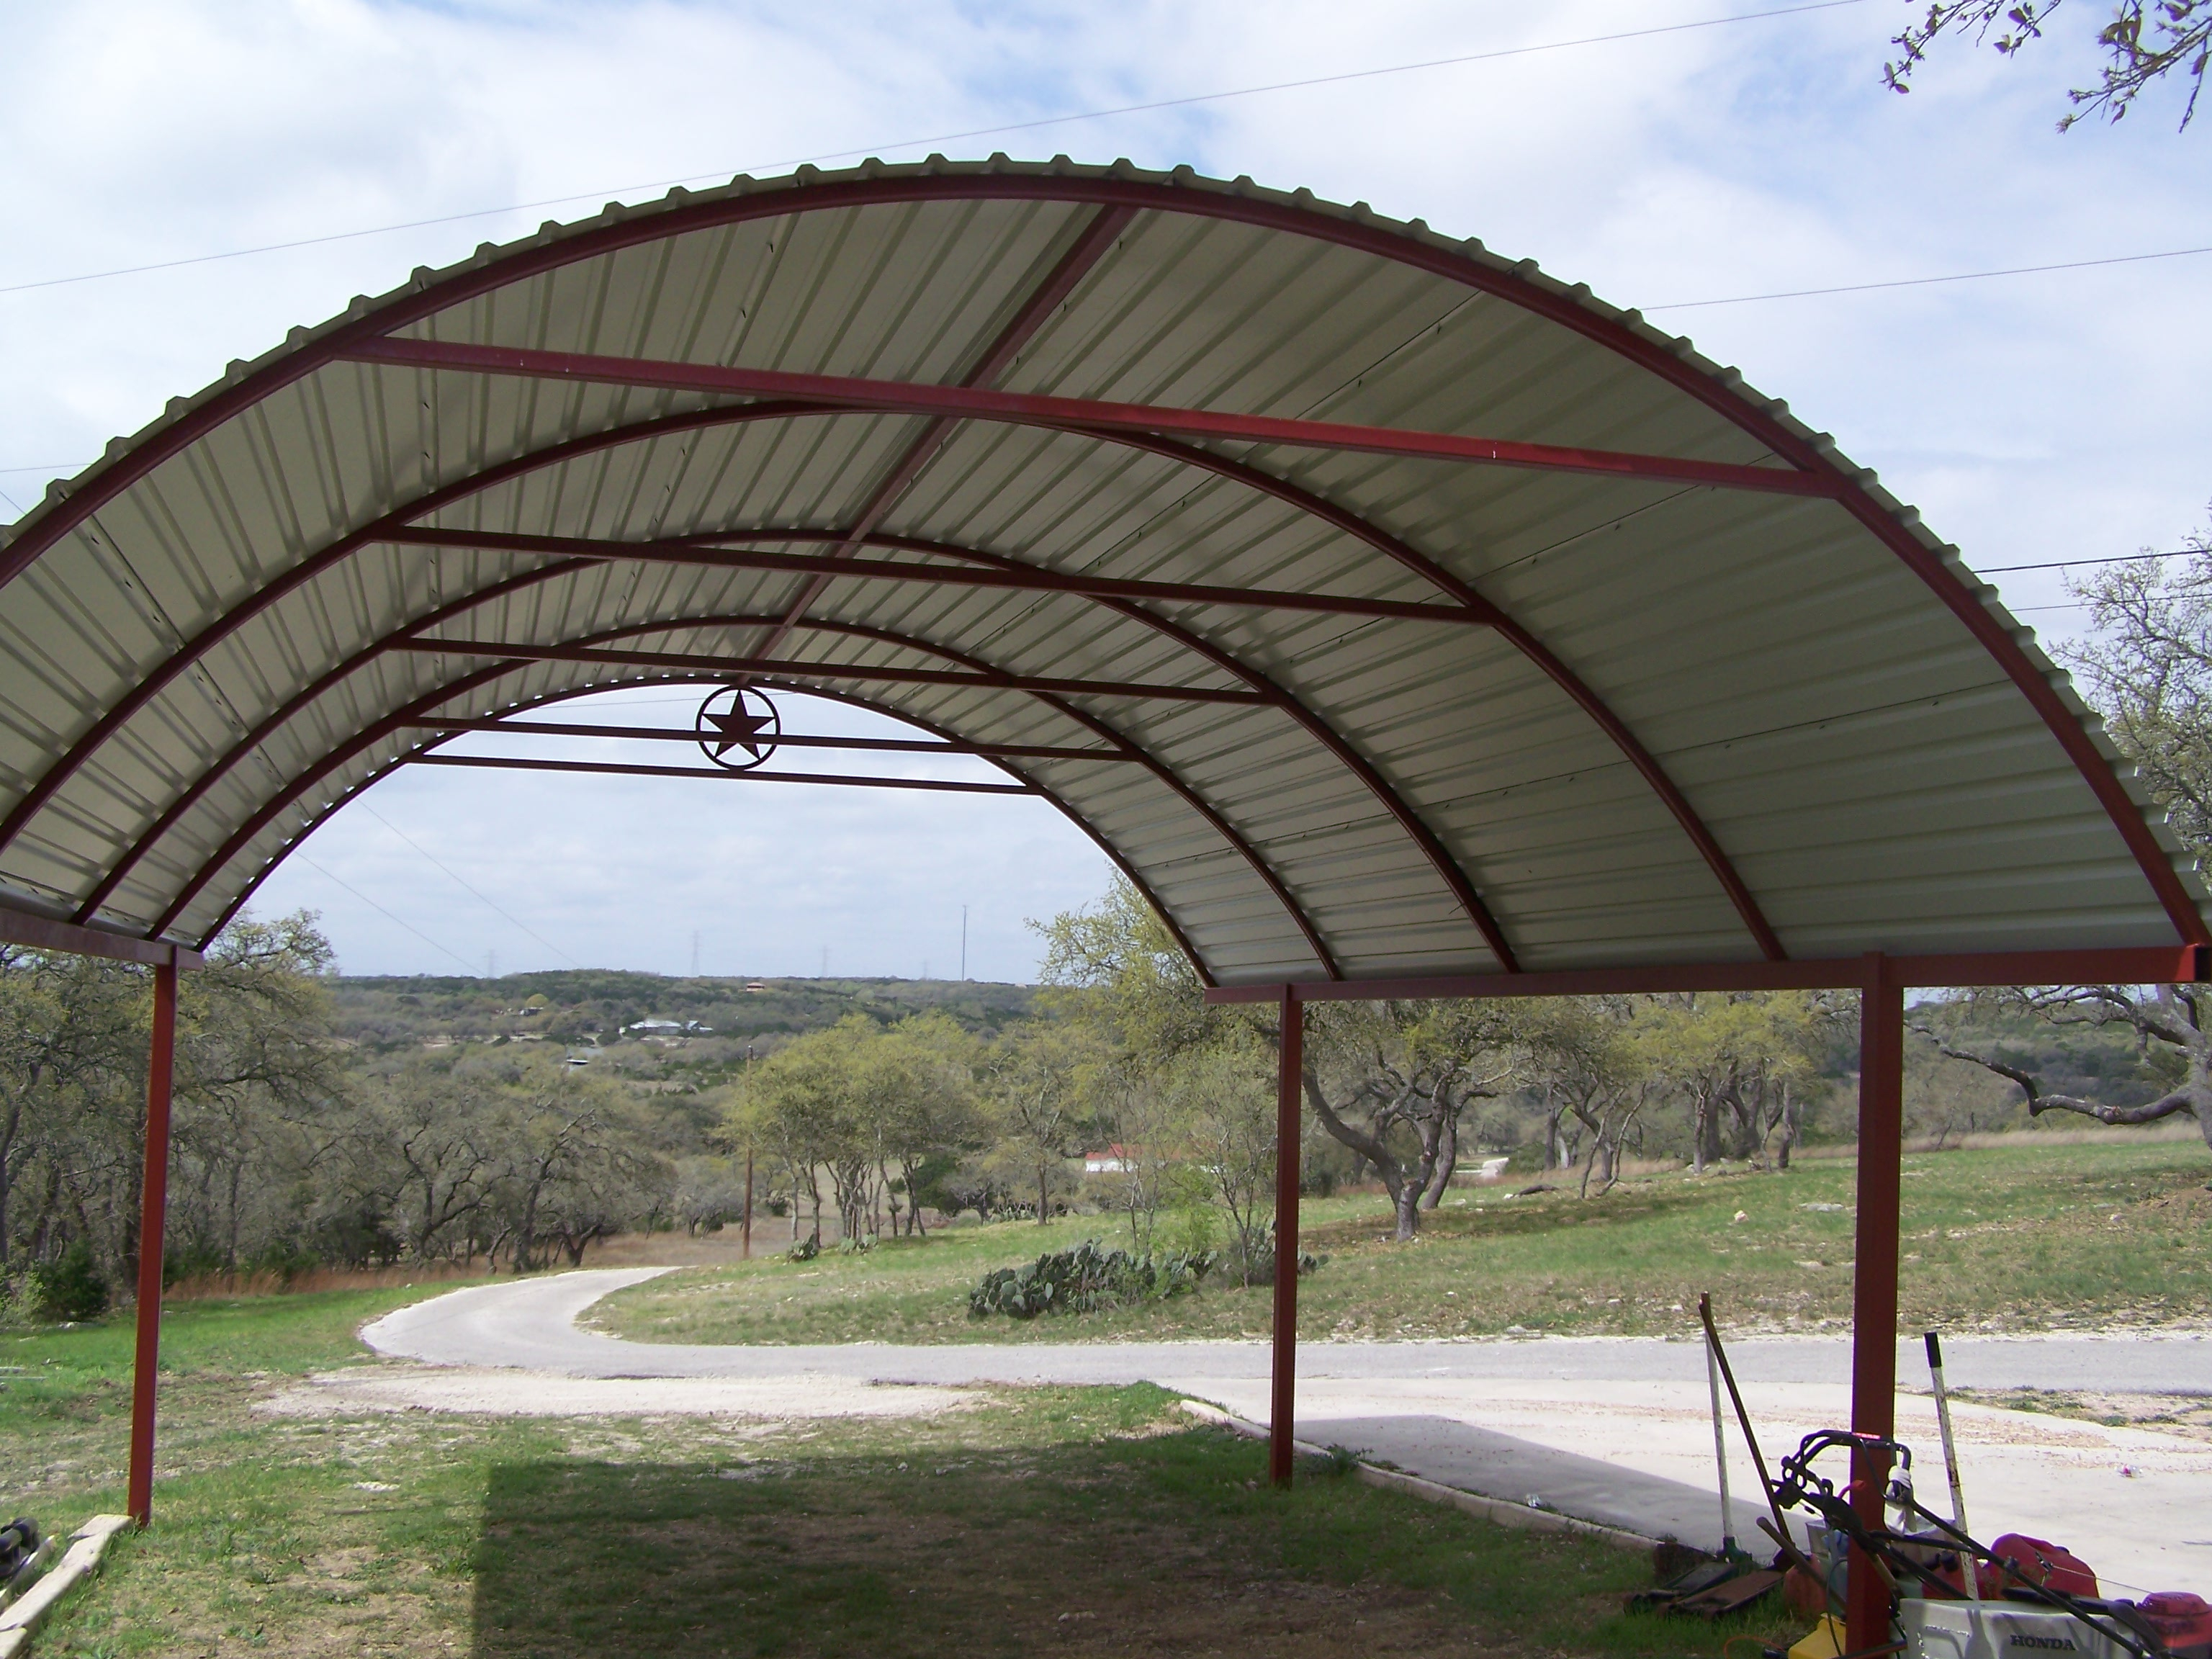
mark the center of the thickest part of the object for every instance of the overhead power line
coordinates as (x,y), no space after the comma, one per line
(458,879)
(1930,281)
(948,137)
(2071,564)
(468,967)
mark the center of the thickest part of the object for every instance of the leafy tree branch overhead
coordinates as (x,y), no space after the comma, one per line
(2145,42)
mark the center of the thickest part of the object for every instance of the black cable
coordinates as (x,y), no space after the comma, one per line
(1917,281)
(953,138)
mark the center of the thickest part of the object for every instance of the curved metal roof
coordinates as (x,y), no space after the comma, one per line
(1440,617)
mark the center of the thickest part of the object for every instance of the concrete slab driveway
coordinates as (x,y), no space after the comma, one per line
(1612,1430)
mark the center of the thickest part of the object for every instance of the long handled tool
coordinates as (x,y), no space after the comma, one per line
(1777,1528)
(1720,1446)
(1967,1573)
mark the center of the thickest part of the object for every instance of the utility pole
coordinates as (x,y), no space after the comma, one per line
(747,1245)
(964,945)
(491,964)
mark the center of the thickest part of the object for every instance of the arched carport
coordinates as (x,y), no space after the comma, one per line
(1402,620)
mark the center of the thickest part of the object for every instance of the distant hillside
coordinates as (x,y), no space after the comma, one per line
(585,1008)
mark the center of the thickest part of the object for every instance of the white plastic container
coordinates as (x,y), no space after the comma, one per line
(1998,1629)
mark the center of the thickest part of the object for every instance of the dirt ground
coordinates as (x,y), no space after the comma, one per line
(2187,1415)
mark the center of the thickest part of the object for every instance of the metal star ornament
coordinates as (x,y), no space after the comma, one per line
(737,717)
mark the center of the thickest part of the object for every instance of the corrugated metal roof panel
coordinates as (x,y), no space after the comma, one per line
(1695,686)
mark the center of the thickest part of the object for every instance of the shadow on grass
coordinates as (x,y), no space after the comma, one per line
(1168,1543)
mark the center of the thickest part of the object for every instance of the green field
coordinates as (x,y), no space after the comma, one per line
(1089,1520)
(2035,1236)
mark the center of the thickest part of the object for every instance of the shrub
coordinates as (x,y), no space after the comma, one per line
(1086,1278)
(1260,1269)
(70,1286)
(805,1250)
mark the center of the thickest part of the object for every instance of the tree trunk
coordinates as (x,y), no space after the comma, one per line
(1044,1174)
(1404,1191)
(1405,1200)
(1446,1160)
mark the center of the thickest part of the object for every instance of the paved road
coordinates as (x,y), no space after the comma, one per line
(1611,1430)
(531,1324)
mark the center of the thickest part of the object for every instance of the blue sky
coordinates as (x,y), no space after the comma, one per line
(2032,418)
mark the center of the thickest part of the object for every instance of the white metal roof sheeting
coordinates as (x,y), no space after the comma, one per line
(196,636)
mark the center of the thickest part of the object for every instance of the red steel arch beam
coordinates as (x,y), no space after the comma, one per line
(1182,193)
(1081,717)
(1135,879)
(407,715)
(164,673)
(390,525)
(1547,662)
(1440,858)
(1455,880)
(1415,828)
(397,526)
(275,720)
(1646,764)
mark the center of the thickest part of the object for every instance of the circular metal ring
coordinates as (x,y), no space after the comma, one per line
(737,719)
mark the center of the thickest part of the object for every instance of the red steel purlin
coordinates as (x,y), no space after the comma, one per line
(964,403)
(750,775)
(714,552)
(393,527)
(736,666)
(504,727)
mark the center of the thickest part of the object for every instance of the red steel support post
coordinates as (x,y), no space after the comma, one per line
(152,1223)
(1874,1283)
(1288,1125)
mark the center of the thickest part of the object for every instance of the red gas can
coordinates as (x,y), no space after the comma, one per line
(2040,1562)
(2183,1621)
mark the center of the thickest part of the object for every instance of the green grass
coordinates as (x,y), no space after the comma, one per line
(1091,1519)
(2006,1238)
(977,1531)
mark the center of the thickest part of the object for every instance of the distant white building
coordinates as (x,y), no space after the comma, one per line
(1115,1160)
